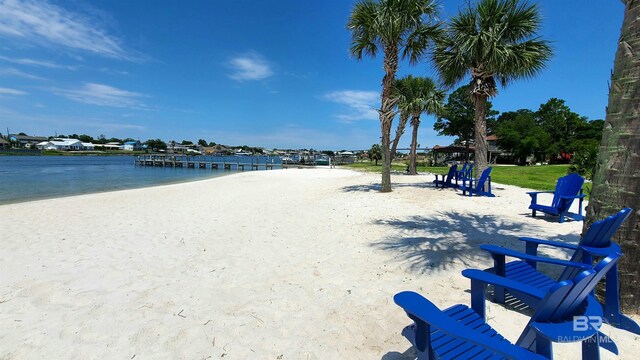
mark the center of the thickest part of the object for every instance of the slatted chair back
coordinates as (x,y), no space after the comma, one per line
(564,300)
(447,180)
(469,171)
(483,179)
(598,235)
(452,173)
(579,293)
(461,174)
(569,185)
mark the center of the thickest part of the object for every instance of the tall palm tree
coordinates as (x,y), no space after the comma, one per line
(616,181)
(400,29)
(418,95)
(493,42)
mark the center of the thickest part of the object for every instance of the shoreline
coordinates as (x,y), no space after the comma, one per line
(290,264)
(173,182)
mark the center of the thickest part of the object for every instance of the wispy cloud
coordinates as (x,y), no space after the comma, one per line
(40,21)
(33,62)
(19,73)
(361,104)
(103,95)
(9,91)
(113,71)
(251,66)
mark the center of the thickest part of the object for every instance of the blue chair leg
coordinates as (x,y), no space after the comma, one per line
(590,348)
(423,340)
(543,347)
(499,266)
(612,313)
(478,299)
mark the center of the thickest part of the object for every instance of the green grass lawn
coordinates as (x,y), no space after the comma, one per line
(543,177)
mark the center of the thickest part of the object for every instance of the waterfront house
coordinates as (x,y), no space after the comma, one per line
(132,145)
(110,146)
(4,144)
(344,157)
(61,144)
(26,140)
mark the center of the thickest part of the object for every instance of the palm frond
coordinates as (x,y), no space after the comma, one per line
(420,40)
(497,39)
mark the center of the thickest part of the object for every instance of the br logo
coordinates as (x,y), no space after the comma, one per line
(584,323)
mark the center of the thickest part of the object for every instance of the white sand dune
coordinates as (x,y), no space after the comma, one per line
(292,264)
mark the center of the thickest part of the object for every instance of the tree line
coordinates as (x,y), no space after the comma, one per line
(551,134)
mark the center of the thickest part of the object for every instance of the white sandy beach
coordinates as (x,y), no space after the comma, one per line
(286,264)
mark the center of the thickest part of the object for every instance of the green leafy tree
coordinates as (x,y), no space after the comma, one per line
(186,142)
(101,139)
(494,42)
(86,138)
(585,157)
(457,117)
(202,142)
(519,134)
(375,153)
(418,95)
(398,28)
(591,130)
(156,144)
(616,179)
(561,124)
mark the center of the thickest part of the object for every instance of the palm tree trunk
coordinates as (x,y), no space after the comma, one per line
(480,104)
(415,122)
(616,182)
(387,113)
(399,132)
(468,145)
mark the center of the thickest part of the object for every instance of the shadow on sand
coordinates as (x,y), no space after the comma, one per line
(377,187)
(449,237)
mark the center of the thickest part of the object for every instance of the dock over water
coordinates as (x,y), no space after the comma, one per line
(238,163)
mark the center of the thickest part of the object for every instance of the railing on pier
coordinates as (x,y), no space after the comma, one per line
(211,162)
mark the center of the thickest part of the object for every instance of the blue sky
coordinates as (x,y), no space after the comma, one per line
(272,73)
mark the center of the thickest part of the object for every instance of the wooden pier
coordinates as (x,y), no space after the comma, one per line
(238,163)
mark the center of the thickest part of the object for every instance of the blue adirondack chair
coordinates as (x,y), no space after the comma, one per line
(460,332)
(596,242)
(568,188)
(446,180)
(478,189)
(465,173)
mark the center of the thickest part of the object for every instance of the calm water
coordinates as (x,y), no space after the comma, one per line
(25,178)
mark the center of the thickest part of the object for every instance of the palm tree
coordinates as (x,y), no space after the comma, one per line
(493,42)
(616,181)
(417,95)
(399,28)
(403,118)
